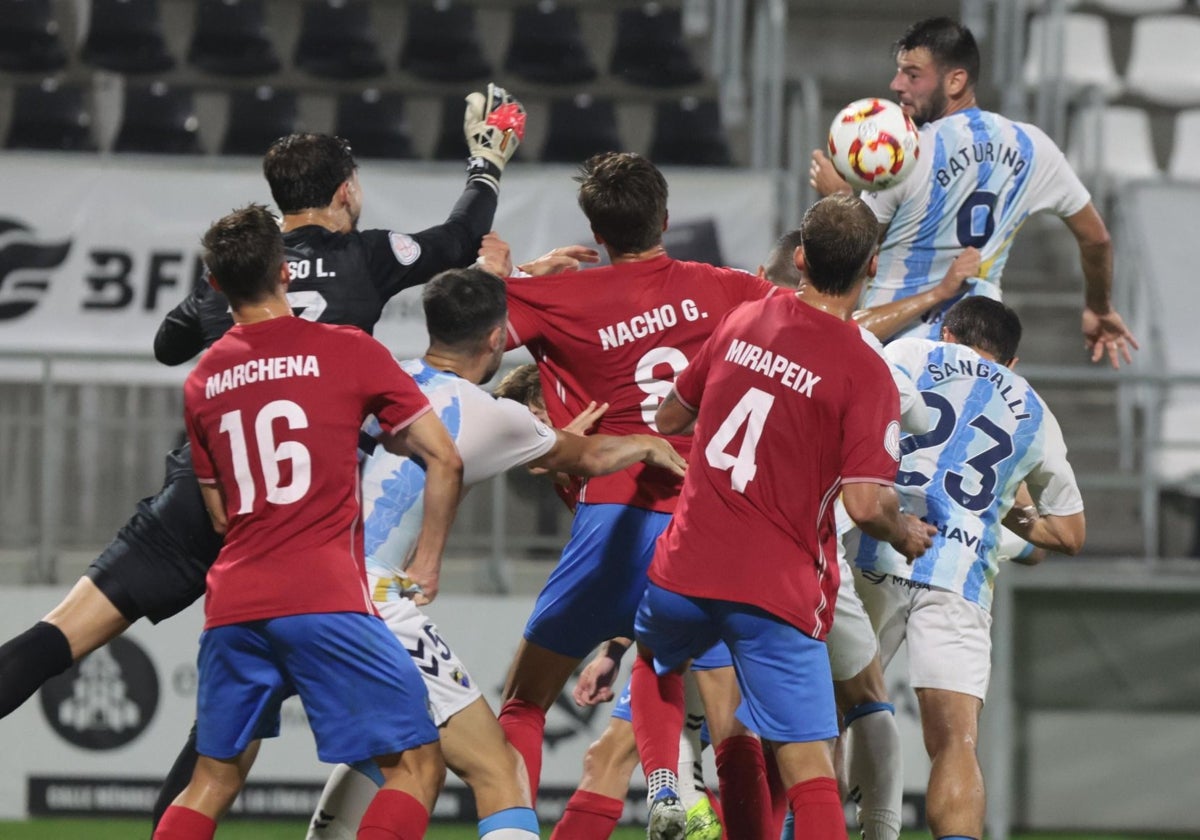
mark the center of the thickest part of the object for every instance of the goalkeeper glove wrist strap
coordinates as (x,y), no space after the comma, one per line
(482,169)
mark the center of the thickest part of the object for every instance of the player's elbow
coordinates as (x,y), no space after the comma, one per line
(863,504)
(1072,534)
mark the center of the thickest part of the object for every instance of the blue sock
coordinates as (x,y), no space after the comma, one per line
(957,837)
(789,827)
(523,819)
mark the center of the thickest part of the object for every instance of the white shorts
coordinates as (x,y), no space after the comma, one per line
(451,689)
(949,637)
(851,640)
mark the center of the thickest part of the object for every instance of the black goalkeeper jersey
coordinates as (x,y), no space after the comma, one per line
(340,278)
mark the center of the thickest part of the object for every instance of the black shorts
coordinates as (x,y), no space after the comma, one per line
(157,564)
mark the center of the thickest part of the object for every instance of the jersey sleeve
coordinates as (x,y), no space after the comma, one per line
(391,394)
(689,385)
(504,434)
(524,323)
(400,260)
(180,336)
(871,424)
(741,286)
(1052,480)
(1059,189)
(914,414)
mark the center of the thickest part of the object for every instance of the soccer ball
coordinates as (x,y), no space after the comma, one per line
(873,144)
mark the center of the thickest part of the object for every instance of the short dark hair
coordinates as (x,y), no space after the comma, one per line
(950,43)
(463,305)
(780,267)
(243,251)
(986,325)
(624,197)
(523,384)
(839,234)
(305,170)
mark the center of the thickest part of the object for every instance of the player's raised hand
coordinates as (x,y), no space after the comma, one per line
(595,682)
(568,258)
(495,255)
(916,537)
(494,125)
(964,266)
(824,178)
(1107,333)
(585,419)
(663,455)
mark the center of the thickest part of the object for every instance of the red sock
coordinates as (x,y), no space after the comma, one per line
(179,823)
(779,800)
(393,815)
(657,706)
(524,725)
(588,816)
(742,773)
(818,807)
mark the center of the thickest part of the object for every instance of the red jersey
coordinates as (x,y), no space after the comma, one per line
(792,404)
(621,334)
(273,410)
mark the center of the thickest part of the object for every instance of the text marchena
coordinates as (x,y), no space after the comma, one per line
(260,370)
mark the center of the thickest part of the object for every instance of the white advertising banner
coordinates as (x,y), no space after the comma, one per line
(100,738)
(95,251)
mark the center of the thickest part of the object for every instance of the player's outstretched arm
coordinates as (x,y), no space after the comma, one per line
(567,258)
(674,417)
(427,439)
(604,454)
(1104,331)
(875,508)
(887,319)
(494,126)
(1064,534)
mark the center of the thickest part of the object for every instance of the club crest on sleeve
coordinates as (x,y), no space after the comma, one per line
(891,440)
(405,248)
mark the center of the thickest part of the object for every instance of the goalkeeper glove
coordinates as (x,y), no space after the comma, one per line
(494,125)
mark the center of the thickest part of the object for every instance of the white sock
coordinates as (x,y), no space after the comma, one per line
(873,769)
(509,834)
(691,771)
(342,805)
(659,779)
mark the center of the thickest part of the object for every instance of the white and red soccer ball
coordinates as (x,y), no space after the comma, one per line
(873,144)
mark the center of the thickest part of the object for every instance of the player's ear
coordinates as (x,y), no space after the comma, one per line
(761,274)
(1013,363)
(873,264)
(212,281)
(954,83)
(798,259)
(496,338)
(949,337)
(285,276)
(666,220)
(599,239)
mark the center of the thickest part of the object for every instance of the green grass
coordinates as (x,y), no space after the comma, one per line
(81,829)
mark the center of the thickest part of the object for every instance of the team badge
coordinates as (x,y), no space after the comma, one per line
(405,248)
(891,440)
(460,677)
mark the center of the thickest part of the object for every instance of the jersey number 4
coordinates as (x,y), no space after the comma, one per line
(984,463)
(270,455)
(751,411)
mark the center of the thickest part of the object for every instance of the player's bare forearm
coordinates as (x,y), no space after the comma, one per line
(1096,260)
(887,319)
(604,454)
(673,417)
(1064,534)
(214,502)
(443,489)
(875,508)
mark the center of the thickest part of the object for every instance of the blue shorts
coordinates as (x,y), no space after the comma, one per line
(360,688)
(717,656)
(593,593)
(783,674)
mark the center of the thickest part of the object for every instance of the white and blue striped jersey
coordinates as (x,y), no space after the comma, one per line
(977,180)
(492,435)
(991,432)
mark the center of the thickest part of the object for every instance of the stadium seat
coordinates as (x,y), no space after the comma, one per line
(1113,141)
(1086,53)
(159,119)
(547,46)
(579,128)
(51,116)
(375,124)
(650,50)
(442,43)
(29,41)
(257,118)
(451,145)
(1162,60)
(230,39)
(126,36)
(1184,164)
(337,41)
(688,132)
